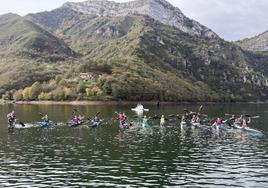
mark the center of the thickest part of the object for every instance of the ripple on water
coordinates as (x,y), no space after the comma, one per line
(150,157)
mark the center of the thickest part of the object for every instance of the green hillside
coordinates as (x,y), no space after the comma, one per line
(20,36)
(130,57)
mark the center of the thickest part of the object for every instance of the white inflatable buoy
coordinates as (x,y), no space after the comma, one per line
(139,109)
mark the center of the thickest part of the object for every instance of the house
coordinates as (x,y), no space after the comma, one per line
(90,76)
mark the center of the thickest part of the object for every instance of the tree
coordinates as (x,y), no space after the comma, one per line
(35,90)
(68,93)
(58,94)
(26,93)
(80,88)
(18,95)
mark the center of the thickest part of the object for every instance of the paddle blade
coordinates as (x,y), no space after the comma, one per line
(200,108)
(22,124)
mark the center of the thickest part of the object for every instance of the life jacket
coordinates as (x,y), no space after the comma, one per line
(219,122)
(244,123)
(121,118)
(76,120)
(46,120)
(96,119)
(145,121)
(11,118)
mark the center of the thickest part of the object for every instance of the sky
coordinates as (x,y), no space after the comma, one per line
(230,19)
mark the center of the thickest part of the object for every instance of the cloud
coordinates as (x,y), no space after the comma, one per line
(23,7)
(232,20)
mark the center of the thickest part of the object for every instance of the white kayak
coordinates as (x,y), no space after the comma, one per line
(247,129)
(183,124)
(25,125)
(196,124)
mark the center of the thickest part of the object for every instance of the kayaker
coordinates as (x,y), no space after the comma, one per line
(145,121)
(183,121)
(218,123)
(122,120)
(189,116)
(231,121)
(76,120)
(193,120)
(238,121)
(96,121)
(45,121)
(246,122)
(197,119)
(162,120)
(11,117)
(184,118)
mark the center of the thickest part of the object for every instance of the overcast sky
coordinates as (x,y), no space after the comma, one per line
(231,19)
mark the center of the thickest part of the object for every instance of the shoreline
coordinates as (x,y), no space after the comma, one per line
(77,103)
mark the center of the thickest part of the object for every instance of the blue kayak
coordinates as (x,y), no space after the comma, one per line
(123,126)
(45,124)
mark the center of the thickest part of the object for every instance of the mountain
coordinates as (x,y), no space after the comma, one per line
(145,50)
(25,47)
(258,43)
(159,10)
(18,35)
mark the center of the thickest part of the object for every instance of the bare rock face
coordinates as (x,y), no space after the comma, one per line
(258,43)
(159,10)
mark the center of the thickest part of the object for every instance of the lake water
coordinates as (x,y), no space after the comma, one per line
(138,157)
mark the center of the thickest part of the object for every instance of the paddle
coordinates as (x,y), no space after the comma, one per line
(200,108)
(252,117)
(185,110)
(22,124)
(41,114)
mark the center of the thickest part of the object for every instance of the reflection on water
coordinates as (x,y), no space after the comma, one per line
(137,157)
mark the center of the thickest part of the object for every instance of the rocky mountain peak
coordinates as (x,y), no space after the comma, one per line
(258,43)
(160,10)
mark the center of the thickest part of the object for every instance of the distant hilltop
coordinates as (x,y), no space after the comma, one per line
(159,10)
(258,43)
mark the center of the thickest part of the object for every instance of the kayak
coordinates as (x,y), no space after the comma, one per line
(25,126)
(218,127)
(11,126)
(45,124)
(95,124)
(144,125)
(73,124)
(247,129)
(123,126)
(183,124)
(196,124)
